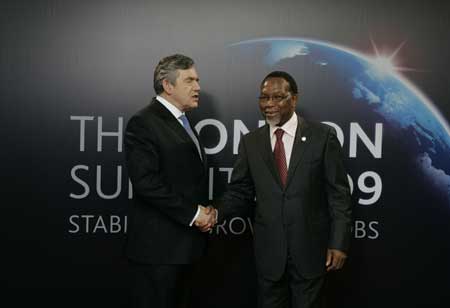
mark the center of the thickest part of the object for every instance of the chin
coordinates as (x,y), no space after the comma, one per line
(193,105)
(273,121)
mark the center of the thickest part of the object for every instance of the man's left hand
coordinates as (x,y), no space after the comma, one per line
(335,259)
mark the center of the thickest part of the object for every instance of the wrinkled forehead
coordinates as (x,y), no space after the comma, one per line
(189,73)
(275,85)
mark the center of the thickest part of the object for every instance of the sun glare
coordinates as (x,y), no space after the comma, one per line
(386,64)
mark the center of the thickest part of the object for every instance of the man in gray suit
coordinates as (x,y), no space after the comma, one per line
(302,223)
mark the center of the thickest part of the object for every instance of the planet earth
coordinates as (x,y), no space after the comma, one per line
(341,85)
(401,240)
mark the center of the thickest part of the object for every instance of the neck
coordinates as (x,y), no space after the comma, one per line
(168,98)
(287,119)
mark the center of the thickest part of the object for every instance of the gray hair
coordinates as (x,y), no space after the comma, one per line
(168,68)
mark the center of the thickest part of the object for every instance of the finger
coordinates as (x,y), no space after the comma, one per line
(205,229)
(201,222)
(212,220)
(215,216)
(336,262)
(329,258)
(341,262)
(202,227)
(331,267)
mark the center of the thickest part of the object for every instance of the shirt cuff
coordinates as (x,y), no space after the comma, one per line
(195,217)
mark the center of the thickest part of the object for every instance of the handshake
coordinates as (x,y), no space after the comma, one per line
(206,218)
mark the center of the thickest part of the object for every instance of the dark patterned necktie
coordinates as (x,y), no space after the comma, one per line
(280,156)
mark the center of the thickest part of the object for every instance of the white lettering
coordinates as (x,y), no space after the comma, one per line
(101,134)
(79,181)
(374,148)
(118,185)
(223,135)
(82,120)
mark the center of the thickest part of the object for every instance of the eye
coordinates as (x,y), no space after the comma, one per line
(278,98)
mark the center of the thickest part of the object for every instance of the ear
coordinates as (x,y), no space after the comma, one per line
(168,87)
(294,99)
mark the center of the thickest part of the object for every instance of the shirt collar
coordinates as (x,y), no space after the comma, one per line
(290,127)
(173,110)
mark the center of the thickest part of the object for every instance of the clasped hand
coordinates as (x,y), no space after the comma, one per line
(206,218)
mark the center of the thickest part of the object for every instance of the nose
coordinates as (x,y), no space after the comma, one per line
(269,102)
(196,86)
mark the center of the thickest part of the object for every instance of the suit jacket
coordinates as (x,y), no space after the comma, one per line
(169,181)
(311,214)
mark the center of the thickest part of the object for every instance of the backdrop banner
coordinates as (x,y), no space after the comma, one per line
(72,74)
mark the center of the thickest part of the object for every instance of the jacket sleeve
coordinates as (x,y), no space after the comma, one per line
(240,195)
(338,194)
(143,162)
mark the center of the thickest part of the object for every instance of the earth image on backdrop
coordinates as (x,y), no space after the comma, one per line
(342,86)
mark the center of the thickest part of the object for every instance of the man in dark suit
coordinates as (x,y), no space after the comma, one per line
(167,167)
(302,223)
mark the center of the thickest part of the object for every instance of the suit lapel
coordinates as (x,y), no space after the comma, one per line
(176,126)
(301,143)
(202,149)
(170,120)
(267,154)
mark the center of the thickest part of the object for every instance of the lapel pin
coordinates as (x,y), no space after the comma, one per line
(303,139)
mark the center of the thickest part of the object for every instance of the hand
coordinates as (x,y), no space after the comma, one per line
(335,259)
(206,218)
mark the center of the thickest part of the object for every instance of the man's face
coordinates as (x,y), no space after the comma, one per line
(185,91)
(276,103)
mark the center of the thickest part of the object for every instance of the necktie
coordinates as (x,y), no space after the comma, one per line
(188,129)
(280,156)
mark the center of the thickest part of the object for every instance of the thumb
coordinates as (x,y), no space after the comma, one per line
(329,258)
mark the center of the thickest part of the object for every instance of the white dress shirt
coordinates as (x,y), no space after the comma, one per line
(290,128)
(177,113)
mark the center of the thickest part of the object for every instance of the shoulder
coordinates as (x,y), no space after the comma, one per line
(256,134)
(150,110)
(147,115)
(318,128)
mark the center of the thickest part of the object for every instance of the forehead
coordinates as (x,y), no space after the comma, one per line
(275,85)
(190,73)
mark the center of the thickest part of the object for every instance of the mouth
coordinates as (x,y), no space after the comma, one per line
(271,113)
(195,97)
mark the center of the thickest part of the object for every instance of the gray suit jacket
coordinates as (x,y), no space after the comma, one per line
(312,213)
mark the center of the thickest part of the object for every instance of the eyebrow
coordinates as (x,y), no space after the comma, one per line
(191,78)
(275,93)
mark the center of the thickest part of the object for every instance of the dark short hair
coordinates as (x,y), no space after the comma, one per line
(290,80)
(167,69)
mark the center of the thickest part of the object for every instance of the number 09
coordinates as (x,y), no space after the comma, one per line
(374,189)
